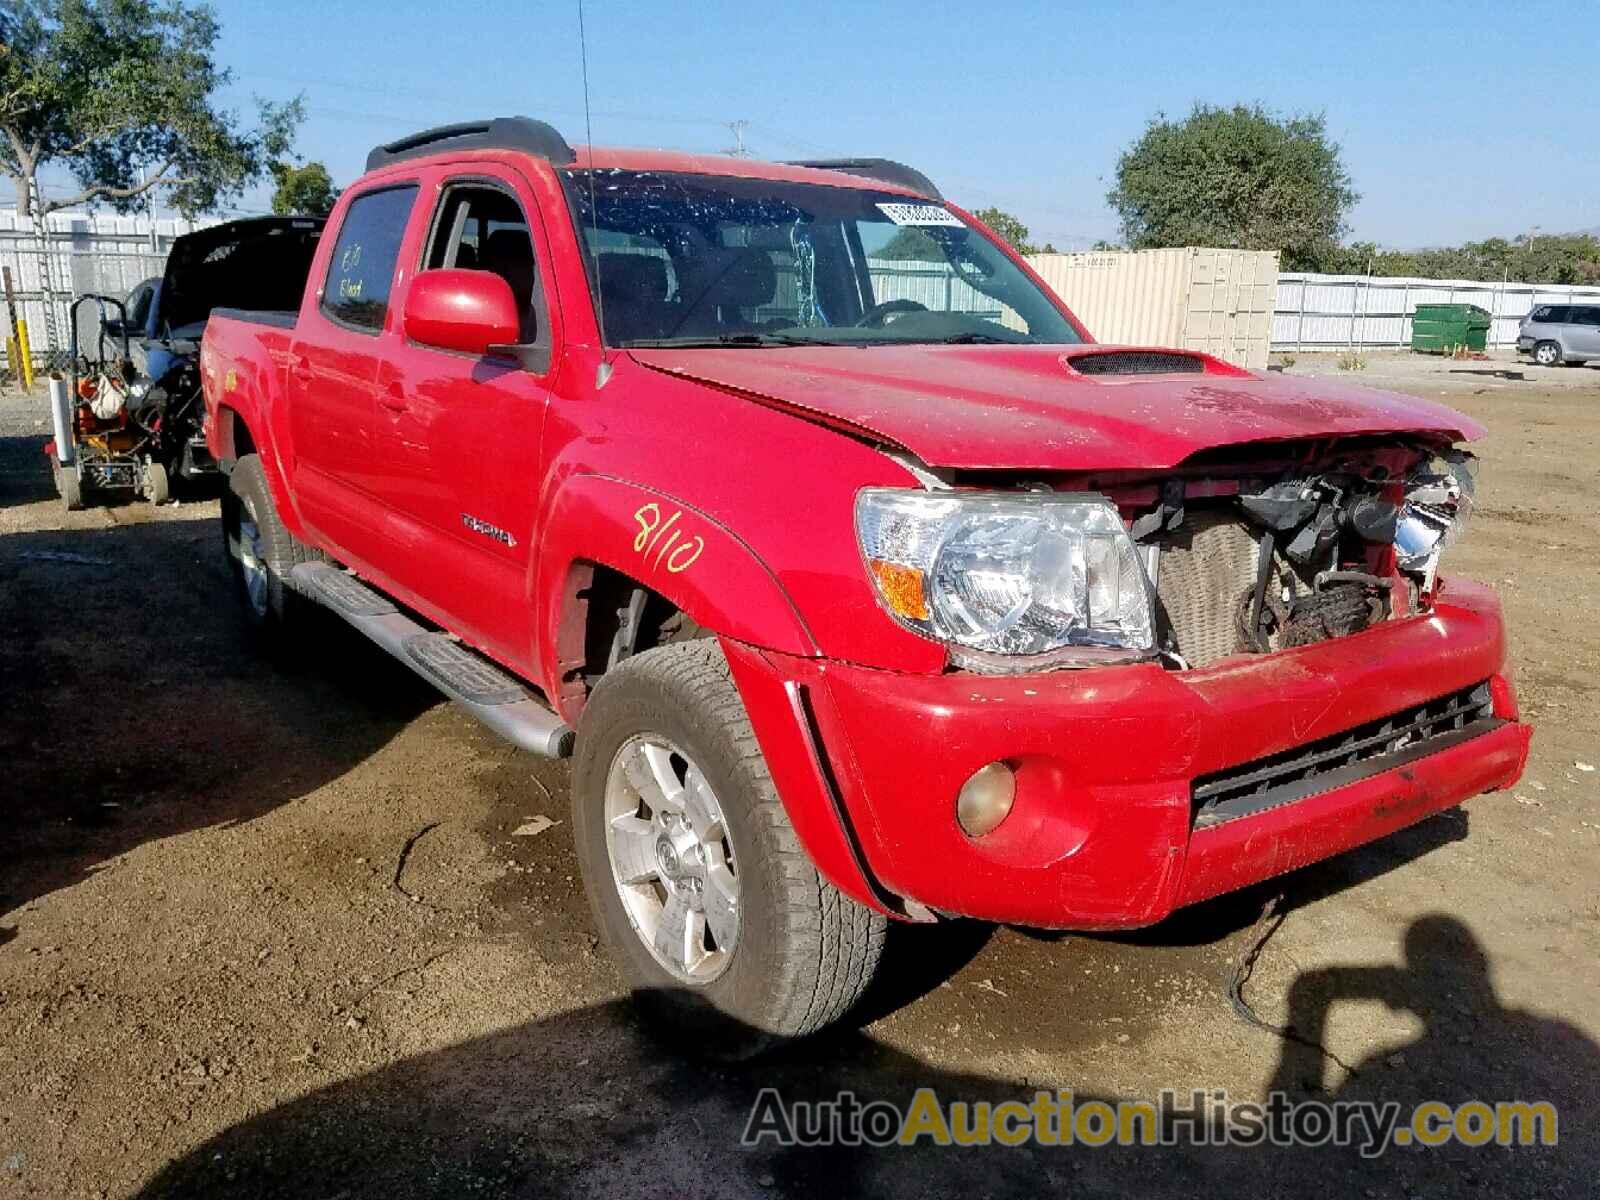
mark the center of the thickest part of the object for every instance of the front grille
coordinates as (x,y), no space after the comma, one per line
(1138,362)
(1343,758)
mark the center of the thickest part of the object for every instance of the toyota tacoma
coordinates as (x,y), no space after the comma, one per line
(857,579)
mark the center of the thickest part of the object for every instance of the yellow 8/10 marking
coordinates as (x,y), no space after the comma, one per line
(678,555)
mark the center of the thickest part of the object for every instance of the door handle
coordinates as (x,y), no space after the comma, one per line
(300,368)
(393,398)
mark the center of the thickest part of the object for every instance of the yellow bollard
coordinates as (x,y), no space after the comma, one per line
(24,354)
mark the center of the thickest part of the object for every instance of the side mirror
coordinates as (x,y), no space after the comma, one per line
(469,311)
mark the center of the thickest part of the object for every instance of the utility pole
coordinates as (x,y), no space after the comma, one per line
(738,149)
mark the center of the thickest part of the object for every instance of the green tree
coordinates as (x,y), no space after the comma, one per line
(303,191)
(1010,229)
(1557,258)
(910,244)
(913,245)
(1237,178)
(122,93)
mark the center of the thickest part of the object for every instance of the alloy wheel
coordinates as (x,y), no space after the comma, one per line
(672,860)
(252,559)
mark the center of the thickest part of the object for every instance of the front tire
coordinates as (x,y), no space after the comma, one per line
(1547,354)
(715,915)
(261,551)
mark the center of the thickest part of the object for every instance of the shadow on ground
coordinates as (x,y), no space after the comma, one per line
(1493,372)
(24,471)
(591,1103)
(132,706)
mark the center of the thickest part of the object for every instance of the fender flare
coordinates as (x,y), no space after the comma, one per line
(667,545)
(709,573)
(223,443)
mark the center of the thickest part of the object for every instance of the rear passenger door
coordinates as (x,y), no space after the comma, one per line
(333,371)
(458,435)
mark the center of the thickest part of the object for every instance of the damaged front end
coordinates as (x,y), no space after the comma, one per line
(1235,551)
(1252,558)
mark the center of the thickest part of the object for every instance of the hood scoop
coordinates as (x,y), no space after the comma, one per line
(1135,362)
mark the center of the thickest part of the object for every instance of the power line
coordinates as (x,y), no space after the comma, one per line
(454,101)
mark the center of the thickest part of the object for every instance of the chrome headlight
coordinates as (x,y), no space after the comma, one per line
(1011,582)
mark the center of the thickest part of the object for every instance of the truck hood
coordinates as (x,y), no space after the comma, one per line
(1027,407)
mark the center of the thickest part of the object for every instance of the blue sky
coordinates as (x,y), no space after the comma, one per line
(1458,119)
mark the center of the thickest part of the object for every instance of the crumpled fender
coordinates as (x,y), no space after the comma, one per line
(669,546)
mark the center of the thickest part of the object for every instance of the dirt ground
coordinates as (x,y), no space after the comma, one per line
(220,974)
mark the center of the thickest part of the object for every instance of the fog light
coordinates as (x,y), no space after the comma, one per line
(986,798)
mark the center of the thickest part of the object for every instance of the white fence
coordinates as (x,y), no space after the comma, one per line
(1333,312)
(933,285)
(85,254)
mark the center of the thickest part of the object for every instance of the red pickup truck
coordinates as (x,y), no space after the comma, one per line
(860,582)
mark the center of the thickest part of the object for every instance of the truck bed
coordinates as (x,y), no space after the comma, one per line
(275,317)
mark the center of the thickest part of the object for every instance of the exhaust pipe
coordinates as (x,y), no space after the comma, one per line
(61,415)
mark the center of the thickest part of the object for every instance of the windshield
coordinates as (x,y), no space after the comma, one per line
(711,260)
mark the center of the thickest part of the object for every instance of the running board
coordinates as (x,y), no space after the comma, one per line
(486,691)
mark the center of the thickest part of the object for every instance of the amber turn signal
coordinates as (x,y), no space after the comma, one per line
(902,588)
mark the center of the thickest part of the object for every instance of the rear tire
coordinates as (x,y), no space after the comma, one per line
(1547,354)
(797,953)
(261,552)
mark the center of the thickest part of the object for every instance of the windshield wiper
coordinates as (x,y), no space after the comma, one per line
(978,339)
(729,339)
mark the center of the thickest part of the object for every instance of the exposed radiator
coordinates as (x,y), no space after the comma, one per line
(1207,564)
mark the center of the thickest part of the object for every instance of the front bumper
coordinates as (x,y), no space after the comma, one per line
(1103,833)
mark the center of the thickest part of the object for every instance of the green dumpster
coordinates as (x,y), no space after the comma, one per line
(1441,328)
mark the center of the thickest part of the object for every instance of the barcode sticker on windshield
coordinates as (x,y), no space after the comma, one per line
(919,214)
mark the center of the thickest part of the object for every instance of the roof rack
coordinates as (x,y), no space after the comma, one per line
(495,133)
(885,170)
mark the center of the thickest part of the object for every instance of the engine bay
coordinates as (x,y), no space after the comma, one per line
(1253,558)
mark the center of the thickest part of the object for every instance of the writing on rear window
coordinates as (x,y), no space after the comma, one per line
(364,257)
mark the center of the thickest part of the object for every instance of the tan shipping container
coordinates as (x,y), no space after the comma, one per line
(1196,298)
